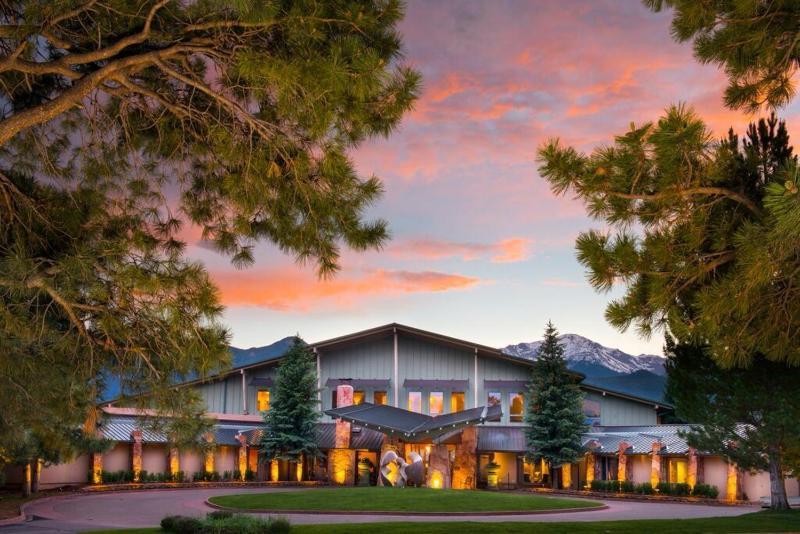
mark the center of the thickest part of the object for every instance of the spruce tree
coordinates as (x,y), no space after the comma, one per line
(554,413)
(290,424)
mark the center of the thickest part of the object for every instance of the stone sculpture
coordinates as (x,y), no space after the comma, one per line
(396,472)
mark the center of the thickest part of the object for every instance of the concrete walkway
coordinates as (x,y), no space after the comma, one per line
(146,508)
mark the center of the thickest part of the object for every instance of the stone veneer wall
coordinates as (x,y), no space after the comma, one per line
(465,466)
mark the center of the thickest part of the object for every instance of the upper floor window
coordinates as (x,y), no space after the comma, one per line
(517,409)
(495,398)
(591,411)
(456,401)
(262,400)
(415,401)
(436,403)
(358,397)
(379,397)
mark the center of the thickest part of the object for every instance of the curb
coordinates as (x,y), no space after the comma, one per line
(405,514)
(637,498)
(13,520)
(110,488)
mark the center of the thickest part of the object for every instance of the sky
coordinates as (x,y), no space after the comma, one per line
(481,249)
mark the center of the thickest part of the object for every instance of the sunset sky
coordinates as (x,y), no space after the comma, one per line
(480,248)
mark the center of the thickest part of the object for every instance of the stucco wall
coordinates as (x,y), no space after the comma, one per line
(75,472)
(756,486)
(154,458)
(191,462)
(715,473)
(118,458)
(226,458)
(640,467)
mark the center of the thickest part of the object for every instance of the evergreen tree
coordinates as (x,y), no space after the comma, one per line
(290,424)
(123,120)
(747,415)
(704,234)
(756,43)
(554,413)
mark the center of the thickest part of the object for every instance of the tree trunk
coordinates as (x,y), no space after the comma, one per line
(36,470)
(26,480)
(777,485)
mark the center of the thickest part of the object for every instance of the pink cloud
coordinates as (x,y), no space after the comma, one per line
(293,289)
(505,251)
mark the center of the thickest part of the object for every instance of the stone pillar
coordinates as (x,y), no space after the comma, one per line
(26,480)
(622,466)
(274,470)
(438,467)
(342,459)
(691,471)
(208,463)
(566,476)
(732,484)
(590,467)
(465,465)
(97,467)
(655,464)
(242,439)
(174,463)
(136,455)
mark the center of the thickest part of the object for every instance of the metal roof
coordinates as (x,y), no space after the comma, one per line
(412,426)
(501,439)
(121,429)
(639,438)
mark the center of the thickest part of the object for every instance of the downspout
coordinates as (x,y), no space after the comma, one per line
(319,378)
(396,373)
(244,392)
(475,385)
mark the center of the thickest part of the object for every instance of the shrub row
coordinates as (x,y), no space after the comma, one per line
(121,477)
(221,522)
(213,476)
(664,488)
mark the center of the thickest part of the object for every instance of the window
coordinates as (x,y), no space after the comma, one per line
(334,398)
(517,408)
(678,470)
(456,401)
(358,397)
(591,411)
(495,398)
(415,401)
(436,403)
(262,400)
(379,397)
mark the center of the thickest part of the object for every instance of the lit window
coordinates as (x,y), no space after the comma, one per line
(415,401)
(436,403)
(517,408)
(262,400)
(358,397)
(495,398)
(379,397)
(456,401)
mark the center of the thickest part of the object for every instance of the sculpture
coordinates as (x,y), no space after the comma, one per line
(396,472)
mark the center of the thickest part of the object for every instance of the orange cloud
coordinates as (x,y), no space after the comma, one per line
(292,289)
(505,251)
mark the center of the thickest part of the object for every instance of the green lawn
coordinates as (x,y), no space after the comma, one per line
(757,522)
(397,500)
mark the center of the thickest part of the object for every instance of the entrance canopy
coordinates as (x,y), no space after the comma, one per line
(412,426)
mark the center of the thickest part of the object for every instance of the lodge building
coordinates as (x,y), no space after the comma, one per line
(469,397)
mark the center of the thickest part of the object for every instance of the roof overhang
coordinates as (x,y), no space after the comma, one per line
(410,426)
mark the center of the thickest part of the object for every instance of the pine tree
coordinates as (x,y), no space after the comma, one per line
(757,44)
(747,415)
(703,234)
(290,424)
(554,413)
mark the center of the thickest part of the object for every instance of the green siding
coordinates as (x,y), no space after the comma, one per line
(615,411)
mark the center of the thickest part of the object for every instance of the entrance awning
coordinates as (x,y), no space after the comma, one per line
(411,426)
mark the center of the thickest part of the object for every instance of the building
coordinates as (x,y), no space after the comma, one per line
(405,369)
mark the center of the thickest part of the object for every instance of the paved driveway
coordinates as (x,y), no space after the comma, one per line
(146,508)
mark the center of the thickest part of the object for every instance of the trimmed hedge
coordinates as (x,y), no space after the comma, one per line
(221,522)
(671,488)
(705,490)
(663,488)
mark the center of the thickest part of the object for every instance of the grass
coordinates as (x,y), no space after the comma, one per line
(756,522)
(394,500)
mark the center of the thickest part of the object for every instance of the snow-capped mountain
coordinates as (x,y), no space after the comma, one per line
(592,358)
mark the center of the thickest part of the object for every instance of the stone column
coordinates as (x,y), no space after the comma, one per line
(242,439)
(174,463)
(566,476)
(136,455)
(438,467)
(342,459)
(732,484)
(274,470)
(97,467)
(655,464)
(465,465)
(208,463)
(691,472)
(622,466)
(590,467)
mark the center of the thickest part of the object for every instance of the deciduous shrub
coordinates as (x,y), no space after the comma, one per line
(672,488)
(706,490)
(644,489)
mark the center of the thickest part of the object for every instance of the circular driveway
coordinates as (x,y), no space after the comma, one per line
(146,508)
